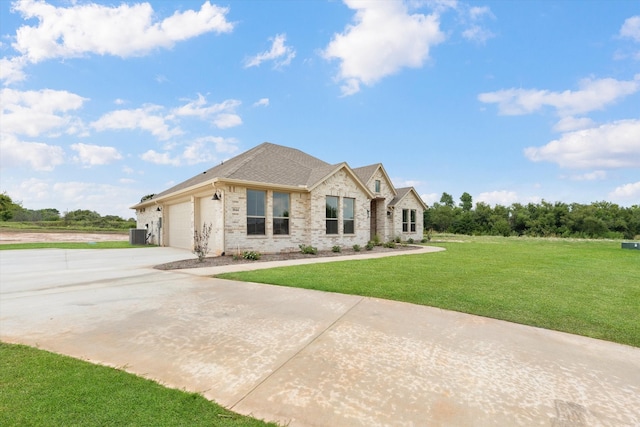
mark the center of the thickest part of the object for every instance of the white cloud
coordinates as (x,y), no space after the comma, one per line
(631,28)
(477,34)
(502,197)
(478,12)
(95,155)
(202,150)
(570,123)
(430,198)
(383,39)
(262,102)
(35,112)
(279,53)
(225,121)
(627,192)
(147,118)
(613,145)
(221,115)
(36,155)
(11,70)
(153,156)
(592,95)
(125,30)
(590,176)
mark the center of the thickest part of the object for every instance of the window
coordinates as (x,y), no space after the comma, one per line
(348,222)
(332,215)
(405,220)
(280,213)
(255,212)
(377,186)
(408,220)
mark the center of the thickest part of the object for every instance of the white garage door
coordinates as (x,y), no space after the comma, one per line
(180,234)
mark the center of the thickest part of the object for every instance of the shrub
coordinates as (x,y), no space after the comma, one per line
(356,248)
(376,240)
(336,249)
(308,249)
(201,241)
(370,245)
(390,244)
(251,255)
(398,239)
(410,241)
(425,240)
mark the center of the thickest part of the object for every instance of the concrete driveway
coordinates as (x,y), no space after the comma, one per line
(307,358)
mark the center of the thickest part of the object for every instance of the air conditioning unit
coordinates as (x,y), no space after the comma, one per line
(137,236)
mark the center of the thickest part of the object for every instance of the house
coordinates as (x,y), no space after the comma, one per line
(273,199)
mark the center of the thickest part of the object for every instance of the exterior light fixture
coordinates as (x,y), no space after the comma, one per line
(217,195)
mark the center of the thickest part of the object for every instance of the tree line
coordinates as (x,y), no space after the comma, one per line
(544,219)
(11,211)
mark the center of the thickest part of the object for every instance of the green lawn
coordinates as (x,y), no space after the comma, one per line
(71,245)
(38,388)
(584,287)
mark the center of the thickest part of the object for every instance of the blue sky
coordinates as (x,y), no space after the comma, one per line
(510,101)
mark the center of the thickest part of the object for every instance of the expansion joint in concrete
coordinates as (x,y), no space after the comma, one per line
(282,365)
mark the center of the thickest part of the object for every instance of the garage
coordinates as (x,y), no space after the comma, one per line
(179,222)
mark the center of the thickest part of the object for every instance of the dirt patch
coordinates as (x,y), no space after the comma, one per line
(7,237)
(229,259)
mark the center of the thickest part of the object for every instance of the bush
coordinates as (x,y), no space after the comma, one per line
(376,240)
(390,244)
(201,241)
(336,249)
(398,239)
(410,241)
(356,248)
(251,255)
(370,245)
(308,249)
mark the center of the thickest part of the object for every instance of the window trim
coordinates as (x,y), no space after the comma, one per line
(285,218)
(257,217)
(334,220)
(376,186)
(351,220)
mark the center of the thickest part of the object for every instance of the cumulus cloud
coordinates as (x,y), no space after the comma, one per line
(148,118)
(221,115)
(92,155)
(592,95)
(626,192)
(36,155)
(571,123)
(11,70)
(475,32)
(279,53)
(202,150)
(502,197)
(631,28)
(383,38)
(35,112)
(612,145)
(124,30)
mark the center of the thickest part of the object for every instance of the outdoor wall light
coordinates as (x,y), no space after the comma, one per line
(217,195)
(159,209)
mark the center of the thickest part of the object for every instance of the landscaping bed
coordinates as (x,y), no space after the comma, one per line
(230,259)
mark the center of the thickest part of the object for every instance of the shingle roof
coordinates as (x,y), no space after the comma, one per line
(365,173)
(267,163)
(401,193)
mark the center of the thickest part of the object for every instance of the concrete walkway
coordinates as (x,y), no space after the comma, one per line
(307,358)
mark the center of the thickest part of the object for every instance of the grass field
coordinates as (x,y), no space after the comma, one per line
(38,388)
(584,287)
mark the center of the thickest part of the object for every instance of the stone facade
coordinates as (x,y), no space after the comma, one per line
(150,219)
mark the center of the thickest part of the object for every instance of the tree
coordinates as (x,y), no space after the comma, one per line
(6,207)
(466,202)
(447,200)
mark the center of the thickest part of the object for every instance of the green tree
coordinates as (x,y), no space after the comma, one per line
(466,202)
(447,200)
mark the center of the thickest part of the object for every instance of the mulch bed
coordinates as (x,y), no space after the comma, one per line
(229,259)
